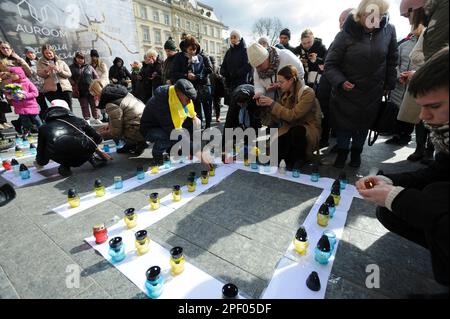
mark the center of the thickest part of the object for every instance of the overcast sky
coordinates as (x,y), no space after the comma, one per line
(319,15)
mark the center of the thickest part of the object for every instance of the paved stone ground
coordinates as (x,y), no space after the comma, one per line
(237,232)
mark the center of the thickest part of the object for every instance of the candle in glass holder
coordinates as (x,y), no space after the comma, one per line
(176,193)
(313,281)
(177,260)
(19,151)
(167,162)
(323,251)
(130,218)
(117,249)
(106,148)
(33,149)
(212,171)
(73,198)
(282,167)
(323,216)
(155,282)
(315,175)
(192,184)
(154,169)
(331,238)
(142,242)
(331,206)
(7,165)
(15,166)
(99,188)
(24,172)
(140,173)
(301,241)
(204,177)
(336,193)
(296,170)
(100,234)
(155,201)
(343,180)
(118,182)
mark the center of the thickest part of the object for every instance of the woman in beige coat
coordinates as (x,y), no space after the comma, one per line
(56,74)
(124,112)
(298,116)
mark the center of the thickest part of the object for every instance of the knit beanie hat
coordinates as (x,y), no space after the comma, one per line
(286,32)
(170,45)
(94,53)
(257,54)
(236,33)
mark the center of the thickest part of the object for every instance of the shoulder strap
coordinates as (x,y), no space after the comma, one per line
(76,128)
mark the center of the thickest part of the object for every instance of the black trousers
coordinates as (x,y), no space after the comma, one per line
(59,94)
(292,146)
(401,227)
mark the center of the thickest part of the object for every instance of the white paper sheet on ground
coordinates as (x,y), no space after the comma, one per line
(193,283)
(92,200)
(289,280)
(35,175)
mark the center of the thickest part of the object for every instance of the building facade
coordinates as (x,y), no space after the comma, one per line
(157,20)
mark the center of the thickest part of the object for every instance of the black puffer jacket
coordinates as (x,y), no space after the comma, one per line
(83,75)
(120,73)
(62,143)
(149,83)
(368,60)
(317,48)
(181,68)
(235,67)
(244,92)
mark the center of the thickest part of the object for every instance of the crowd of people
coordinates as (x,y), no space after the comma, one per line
(307,92)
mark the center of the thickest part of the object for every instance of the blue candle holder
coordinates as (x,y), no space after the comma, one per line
(315,175)
(267,168)
(322,253)
(106,148)
(117,249)
(33,150)
(296,173)
(118,182)
(166,161)
(24,172)
(331,238)
(343,180)
(19,140)
(155,282)
(331,206)
(25,144)
(15,166)
(140,173)
(254,165)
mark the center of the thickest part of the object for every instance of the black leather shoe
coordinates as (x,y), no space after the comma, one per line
(64,171)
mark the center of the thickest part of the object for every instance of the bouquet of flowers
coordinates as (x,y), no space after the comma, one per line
(14,91)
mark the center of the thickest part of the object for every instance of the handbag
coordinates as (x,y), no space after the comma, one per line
(385,122)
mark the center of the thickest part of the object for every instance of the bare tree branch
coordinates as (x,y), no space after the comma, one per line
(267,27)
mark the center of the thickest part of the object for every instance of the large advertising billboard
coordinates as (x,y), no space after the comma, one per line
(71,25)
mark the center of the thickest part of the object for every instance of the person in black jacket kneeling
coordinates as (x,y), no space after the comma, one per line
(66,140)
(415,205)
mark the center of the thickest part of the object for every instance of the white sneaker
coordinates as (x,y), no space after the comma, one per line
(96,122)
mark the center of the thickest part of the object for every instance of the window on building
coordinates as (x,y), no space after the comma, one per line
(167,35)
(217,33)
(205,29)
(178,21)
(166,19)
(188,25)
(145,34)
(206,46)
(143,10)
(155,15)
(213,47)
(157,36)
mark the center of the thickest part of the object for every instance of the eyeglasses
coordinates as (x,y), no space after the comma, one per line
(5,48)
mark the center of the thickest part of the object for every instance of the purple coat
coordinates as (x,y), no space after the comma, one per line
(27,106)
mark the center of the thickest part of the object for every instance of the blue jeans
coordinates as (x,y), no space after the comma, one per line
(27,121)
(358,139)
(161,141)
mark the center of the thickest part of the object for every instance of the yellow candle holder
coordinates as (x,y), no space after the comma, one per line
(72,198)
(130,218)
(191,187)
(177,260)
(204,177)
(155,201)
(212,171)
(301,246)
(154,169)
(246,162)
(337,199)
(176,193)
(19,152)
(99,188)
(142,242)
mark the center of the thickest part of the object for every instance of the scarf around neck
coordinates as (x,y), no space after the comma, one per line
(274,61)
(440,137)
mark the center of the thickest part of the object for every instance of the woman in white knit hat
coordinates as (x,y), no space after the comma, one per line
(267,63)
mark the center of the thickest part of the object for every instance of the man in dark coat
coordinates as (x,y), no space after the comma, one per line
(415,205)
(361,66)
(285,37)
(235,66)
(66,140)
